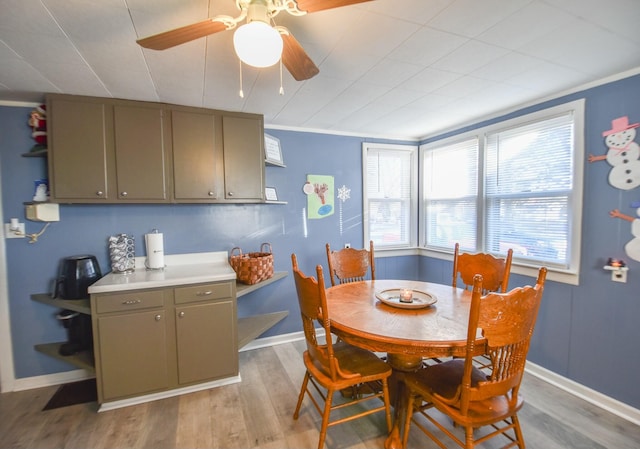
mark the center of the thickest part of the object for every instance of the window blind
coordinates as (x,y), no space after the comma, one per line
(450,180)
(528,186)
(388,191)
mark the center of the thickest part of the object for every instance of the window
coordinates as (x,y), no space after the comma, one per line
(390,195)
(514,184)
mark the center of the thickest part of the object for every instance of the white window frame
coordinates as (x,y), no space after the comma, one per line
(570,275)
(413,208)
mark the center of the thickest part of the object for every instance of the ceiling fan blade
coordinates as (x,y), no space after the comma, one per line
(320,5)
(296,60)
(181,35)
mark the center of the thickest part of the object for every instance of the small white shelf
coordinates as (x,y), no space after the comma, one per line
(275,164)
(610,268)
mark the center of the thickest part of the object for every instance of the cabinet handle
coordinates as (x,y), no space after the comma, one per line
(181,314)
(158,317)
(123,194)
(230,193)
(211,194)
(207,293)
(131,301)
(99,193)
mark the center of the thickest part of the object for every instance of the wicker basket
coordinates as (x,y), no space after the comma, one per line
(252,268)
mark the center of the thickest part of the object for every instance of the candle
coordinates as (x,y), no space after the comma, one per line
(406,295)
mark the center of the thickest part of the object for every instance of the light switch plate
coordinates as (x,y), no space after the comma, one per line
(9,234)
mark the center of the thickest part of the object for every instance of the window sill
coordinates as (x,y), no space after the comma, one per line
(553,274)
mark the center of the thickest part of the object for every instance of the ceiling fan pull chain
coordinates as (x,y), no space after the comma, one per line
(241,93)
(281,88)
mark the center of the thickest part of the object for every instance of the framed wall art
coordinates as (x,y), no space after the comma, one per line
(270,194)
(273,151)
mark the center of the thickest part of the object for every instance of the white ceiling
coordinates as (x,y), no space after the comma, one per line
(391,68)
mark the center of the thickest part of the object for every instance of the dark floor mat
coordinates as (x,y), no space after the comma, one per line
(73,393)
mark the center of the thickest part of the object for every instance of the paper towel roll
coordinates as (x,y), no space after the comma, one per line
(155,250)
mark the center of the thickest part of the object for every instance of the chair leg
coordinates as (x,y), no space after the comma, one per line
(387,403)
(468,437)
(325,418)
(518,431)
(305,382)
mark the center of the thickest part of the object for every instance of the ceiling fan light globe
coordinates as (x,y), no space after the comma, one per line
(257,44)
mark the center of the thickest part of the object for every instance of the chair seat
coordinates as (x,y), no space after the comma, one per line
(351,359)
(442,382)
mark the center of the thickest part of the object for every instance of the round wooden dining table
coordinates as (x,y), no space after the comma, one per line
(407,332)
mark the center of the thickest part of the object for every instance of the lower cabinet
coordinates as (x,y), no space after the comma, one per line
(133,354)
(159,339)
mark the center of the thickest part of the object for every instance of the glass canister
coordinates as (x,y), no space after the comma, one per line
(122,251)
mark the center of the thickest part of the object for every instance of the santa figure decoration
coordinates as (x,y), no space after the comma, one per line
(38,124)
(623,154)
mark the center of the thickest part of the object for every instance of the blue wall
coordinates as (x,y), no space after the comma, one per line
(587,333)
(84,229)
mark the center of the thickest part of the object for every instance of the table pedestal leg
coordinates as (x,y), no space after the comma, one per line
(401,364)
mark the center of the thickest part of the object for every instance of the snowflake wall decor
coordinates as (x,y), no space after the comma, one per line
(344,193)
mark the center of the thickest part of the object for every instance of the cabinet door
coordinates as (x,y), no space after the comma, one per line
(140,152)
(78,141)
(133,353)
(194,155)
(243,157)
(206,341)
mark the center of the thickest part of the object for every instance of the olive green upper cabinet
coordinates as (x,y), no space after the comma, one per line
(80,141)
(105,150)
(243,137)
(141,159)
(195,157)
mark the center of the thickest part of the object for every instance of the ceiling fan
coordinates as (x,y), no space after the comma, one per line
(259,42)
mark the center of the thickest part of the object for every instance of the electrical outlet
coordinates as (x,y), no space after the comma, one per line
(347,245)
(9,234)
(619,276)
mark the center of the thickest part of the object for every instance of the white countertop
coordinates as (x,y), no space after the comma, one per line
(180,269)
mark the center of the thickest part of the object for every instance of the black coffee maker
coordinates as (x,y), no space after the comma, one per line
(76,274)
(79,333)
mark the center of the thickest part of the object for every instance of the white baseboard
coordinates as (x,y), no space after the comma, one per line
(168,394)
(47,380)
(273,341)
(607,403)
(28,383)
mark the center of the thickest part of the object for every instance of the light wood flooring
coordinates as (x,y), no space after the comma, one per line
(257,413)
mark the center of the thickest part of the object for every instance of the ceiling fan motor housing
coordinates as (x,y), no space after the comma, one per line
(258,10)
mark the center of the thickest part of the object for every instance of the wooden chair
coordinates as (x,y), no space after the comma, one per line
(495,271)
(331,367)
(472,398)
(350,265)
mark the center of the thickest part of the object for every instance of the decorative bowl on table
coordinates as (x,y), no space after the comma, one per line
(411,299)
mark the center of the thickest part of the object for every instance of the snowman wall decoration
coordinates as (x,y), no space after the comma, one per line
(623,154)
(632,248)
